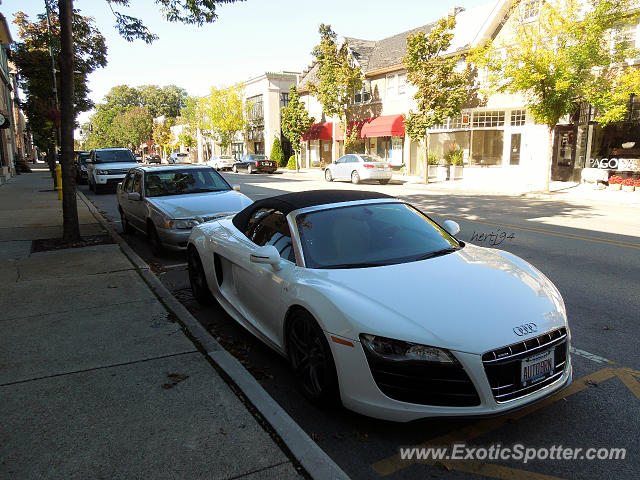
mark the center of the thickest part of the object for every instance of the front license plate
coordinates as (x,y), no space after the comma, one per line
(537,367)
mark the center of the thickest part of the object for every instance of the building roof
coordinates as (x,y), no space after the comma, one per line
(372,56)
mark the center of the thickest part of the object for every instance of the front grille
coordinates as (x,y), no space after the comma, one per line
(120,171)
(423,383)
(502,366)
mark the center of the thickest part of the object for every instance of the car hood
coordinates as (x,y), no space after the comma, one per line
(201,204)
(115,165)
(468,301)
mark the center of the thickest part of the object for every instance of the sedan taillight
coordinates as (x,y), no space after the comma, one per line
(257,163)
(367,165)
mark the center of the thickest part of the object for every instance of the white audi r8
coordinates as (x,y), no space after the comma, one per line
(377,305)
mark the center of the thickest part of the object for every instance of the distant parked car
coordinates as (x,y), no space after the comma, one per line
(108,166)
(178,157)
(80,158)
(153,158)
(221,162)
(165,202)
(255,163)
(357,167)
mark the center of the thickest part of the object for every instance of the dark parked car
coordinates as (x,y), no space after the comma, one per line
(255,163)
(80,163)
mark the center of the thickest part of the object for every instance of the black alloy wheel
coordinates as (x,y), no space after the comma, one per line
(197,278)
(311,359)
(384,182)
(154,241)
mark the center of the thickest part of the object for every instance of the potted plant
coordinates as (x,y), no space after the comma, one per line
(432,164)
(615,182)
(637,185)
(628,185)
(456,157)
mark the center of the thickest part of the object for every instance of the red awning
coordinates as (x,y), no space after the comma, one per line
(319,131)
(358,124)
(385,126)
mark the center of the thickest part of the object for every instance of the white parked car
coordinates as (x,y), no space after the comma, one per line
(357,167)
(221,162)
(164,202)
(377,305)
(177,157)
(106,167)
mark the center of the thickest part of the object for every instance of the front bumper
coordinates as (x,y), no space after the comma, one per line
(174,239)
(360,393)
(109,179)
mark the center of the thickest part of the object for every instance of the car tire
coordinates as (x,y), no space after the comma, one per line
(249,169)
(197,278)
(154,240)
(126,226)
(384,182)
(234,169)
(327,175)
(355,177)
(311,359)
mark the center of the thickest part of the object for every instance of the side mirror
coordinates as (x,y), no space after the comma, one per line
(236,187)
(135,196)
(267,255)
(451,227)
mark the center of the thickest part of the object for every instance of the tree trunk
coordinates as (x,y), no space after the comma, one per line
(425,151)
(297,164)
(71,226)
(51,161)
(547,172)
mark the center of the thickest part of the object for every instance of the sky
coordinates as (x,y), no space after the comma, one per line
(248,39)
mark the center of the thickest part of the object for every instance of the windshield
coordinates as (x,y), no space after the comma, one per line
(371,159)
(160,184)
(108,156)
(82,158)
(370,235)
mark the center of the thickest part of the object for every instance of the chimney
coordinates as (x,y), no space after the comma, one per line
(453,11)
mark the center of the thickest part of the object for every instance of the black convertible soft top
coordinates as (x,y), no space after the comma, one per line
(293,201)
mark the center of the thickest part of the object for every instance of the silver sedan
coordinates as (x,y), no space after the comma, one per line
(357,167)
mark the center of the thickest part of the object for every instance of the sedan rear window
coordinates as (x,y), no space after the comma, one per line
(371,235)
(371,159)
(180,182)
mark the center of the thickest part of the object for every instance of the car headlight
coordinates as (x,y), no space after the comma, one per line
(102,172)
(182,223)
(390,349)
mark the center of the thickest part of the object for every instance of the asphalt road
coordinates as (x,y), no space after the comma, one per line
(592,255)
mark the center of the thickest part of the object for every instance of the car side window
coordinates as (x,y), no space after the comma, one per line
(342,159)
(268,226)
(126,185)
(136,183)
(353,159)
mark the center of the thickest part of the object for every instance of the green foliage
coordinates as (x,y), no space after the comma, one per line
(432,158)
(612,100)
(338,76)
(562,58)
(222,113)
(295,119)
(162,134)
(132,127)
(277,155)
(32,59)
(454,156)
(441,90)
(292,165)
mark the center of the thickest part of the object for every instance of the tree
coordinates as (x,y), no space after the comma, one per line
(441,90)
(33,61)
(563,58)
(339,77)
(191,12)
(162,134)
(277,155)
(132,127)
(223,113)
(167,101)
(295,121)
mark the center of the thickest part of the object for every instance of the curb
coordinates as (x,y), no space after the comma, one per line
(313,459)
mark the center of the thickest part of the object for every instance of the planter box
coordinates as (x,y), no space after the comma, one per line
(615,186)
(442,172)
(628,188)
(433,171)
(455,172)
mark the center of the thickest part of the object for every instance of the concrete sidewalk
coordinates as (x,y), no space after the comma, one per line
(97,379)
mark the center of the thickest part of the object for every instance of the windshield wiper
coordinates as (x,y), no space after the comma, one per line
(437,253)
(356,265)
(204,190)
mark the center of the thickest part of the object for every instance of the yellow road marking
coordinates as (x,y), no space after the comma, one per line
(555,233)
(630,379)
(394,463)
(497,471)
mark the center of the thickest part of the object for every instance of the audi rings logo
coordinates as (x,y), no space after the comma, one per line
(525,329)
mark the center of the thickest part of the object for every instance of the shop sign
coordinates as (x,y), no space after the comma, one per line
(615,163)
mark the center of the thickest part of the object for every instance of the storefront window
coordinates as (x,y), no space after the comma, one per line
(443,142)
(486,147)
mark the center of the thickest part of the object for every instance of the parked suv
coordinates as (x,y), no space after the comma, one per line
(106,167)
